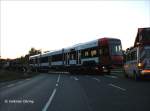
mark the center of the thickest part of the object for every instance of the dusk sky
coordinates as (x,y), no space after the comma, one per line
(51,25)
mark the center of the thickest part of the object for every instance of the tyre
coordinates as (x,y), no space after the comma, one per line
(136,77)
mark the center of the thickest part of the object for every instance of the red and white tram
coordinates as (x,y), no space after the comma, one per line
(97,56)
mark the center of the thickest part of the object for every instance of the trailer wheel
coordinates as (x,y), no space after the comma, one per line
(136,76)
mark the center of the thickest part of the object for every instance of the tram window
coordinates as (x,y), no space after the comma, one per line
(147,53)
(72,55)
(145,35)
(116,49)
(86,53)
(90,52)
(35,61)
(57,57)
(31,61)
(49,59)
(44,59)
(93,53)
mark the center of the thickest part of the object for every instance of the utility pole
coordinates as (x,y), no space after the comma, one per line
(0,30)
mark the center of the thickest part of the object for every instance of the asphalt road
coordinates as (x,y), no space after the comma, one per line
(65,92)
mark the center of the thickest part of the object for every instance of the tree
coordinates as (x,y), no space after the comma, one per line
(34,51)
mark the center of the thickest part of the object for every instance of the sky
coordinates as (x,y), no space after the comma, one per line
(52,25)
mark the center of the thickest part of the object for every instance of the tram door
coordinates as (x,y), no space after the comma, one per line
(66,58)
(78,56)
(104,55)
(63,57)
(49,60)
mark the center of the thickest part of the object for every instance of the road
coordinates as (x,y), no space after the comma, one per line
(65,92)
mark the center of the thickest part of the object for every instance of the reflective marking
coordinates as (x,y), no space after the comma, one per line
(49,101)
(56,85)
(96,79)
(27,79)
(76,78)
(10,85)
(58,78)
(114,77)
(117,87)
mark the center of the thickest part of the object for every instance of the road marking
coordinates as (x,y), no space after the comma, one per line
(10,85)
(114,77)
(27,79)
(49,101)
(96,79)
(58,78)
(116,71)
(58,72)
(76,78)
(56,84)
(117,87)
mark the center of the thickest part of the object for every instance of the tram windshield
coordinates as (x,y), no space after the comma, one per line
(115,48)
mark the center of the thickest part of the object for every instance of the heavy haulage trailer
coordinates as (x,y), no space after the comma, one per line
(137,63)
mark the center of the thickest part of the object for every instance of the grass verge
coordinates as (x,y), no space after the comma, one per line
(6,75)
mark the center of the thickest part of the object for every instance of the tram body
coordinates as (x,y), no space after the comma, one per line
(99,55)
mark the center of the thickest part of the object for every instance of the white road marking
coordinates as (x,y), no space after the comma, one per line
(114,77)
(10,85)
(56,85)
(58,78)
(58,72)
(76,78)
(27,79)
(49,101)
(96,79)
(117,87)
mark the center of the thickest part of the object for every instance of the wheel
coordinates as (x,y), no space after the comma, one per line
(136,77)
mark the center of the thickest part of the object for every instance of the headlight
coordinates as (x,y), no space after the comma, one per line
(140,65)
(96,68)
